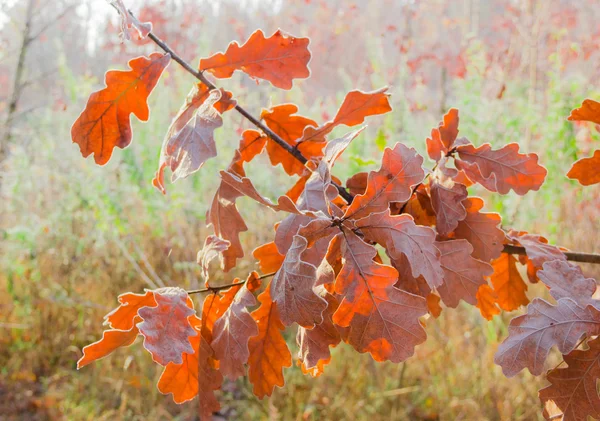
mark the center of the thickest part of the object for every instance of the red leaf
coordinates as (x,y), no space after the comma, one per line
(446,199)
(442,139)
(166,328)
(589,111)
(356,106)
(269,353)
(501,170)
(400,235)
(586,170)
(463,275)
(104,123)
(400,171)
(280,59)
(293,289)
(383,320)
(231,333)
(574,389)
(533,334)
(508,283)
(481,230)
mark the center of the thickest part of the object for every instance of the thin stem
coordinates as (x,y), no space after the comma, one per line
(227,286)
(276,138)
(573,256)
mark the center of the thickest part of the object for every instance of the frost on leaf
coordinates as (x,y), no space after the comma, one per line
(104,123)
(501,170)
(566,280)
(166,328)
(130,25)
(213,247)
(447,196)
(531,335)
(574,389)
(280,59)
(293,289)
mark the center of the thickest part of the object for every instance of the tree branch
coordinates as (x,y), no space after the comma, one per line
(573,256)
(216,289)
(276,138)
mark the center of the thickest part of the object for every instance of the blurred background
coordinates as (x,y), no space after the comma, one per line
(73,235)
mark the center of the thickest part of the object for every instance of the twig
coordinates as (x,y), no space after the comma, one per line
(222,287)
(573,256)
(276,138)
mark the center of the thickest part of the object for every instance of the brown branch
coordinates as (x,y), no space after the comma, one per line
(276,138)
(216,289)
(573,256)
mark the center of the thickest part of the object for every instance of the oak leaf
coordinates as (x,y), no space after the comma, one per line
(166,328)
(400,171)
(110,341)
(442,139)
(419,206)
(463,274)
(566,280)
(280,59)
(501,170)
(589,111)
(508,283)
(574,389)
(104,123)
(481,230)
(447,196)
(130,25)
(487,302)
(122,317)
(269,353)
(531,335)
(586,170)
(269,259)
(213,247)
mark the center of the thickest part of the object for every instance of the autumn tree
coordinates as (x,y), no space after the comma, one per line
(361,262)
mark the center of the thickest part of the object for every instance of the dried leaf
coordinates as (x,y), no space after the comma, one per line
(130,25)
(481,230)
(104,123)
(463,275)
(122,317)
(280,59)
(111,340)
(269,259)
(533,334)
(213,247)
(586,170)
(589,111)
(442,139)
(508,283)
(486,302)
(446,199)
(574,389)
(501,170)
(566,280)
(166,328)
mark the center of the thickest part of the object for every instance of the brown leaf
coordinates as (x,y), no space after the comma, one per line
(293,289)
(166,328)
(357,184)
(481,230)
(356,106)
(446,199)
(269,353)
(433,305)
(508,283)
(130,25)
(501,170)
(314,344)
(586,170)
(400,171)
(400,235)
(104,123)
(566,280)
(383,320)
(533,334)
(231,333)
(463,275)
(419,206)
(574,389)
(280,59)
(589,111)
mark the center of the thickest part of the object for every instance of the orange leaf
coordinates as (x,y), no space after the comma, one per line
(269,353)
(111,340)
(400,170)
(252,143)
(104,123)
(433,305)
(501,170)
(486,301)
(283,121)
(442,139)
(508,283)
(589,111)
(278,59)
(586,170)
(269,259)
(481,230)
(356,106)
(122,317)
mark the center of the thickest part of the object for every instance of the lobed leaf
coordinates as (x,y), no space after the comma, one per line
(586,170)
(442,139)
(447,196)
(508,283)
